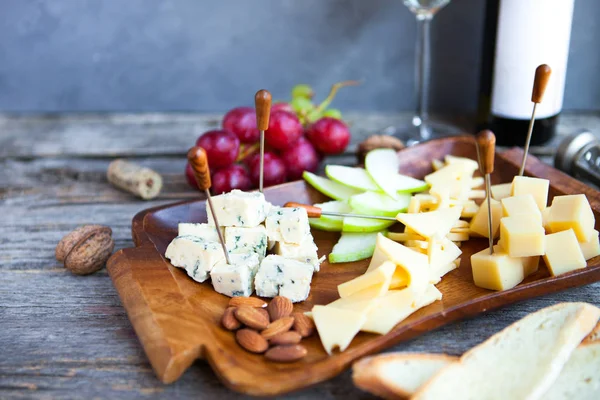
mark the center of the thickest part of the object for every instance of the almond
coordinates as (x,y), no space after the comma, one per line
(289,353)
(251,317)
(265,313)
(229,321)
(247,301)
(289,337)
(276,327)
(251,341)
(304,325)
(280,307)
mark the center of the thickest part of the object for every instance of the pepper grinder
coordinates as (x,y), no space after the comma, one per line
(579,155)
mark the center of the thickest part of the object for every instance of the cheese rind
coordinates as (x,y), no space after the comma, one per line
(237,208)
(287,224)
(563,253)
(235,279)
(241,240)
(496,271)
(522,236)
(197,256)
(536,187)
(572,212)
(284,277)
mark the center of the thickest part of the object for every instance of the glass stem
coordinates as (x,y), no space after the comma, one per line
(422,75)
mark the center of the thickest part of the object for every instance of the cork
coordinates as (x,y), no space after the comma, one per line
(139,181)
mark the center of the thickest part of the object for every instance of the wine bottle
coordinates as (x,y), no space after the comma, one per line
(518,36)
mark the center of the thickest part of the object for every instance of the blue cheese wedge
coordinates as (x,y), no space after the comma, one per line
(236,279)
(204,231)
(196,255)
(246,240)
(305,251)
(286,224)
(284,277)
(237,208)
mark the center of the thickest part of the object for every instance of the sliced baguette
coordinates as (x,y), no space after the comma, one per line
(520,362)
(397,375)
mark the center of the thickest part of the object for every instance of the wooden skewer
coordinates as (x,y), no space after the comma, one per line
(262,104)
(486,142)
(542,76)
(316,212)
(199,163)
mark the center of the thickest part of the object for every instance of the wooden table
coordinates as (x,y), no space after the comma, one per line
(65,336)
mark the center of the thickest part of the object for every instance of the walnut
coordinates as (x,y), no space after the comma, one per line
(86,249)
(378,142)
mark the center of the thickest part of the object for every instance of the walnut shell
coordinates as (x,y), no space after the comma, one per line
(86,249)
(378,142)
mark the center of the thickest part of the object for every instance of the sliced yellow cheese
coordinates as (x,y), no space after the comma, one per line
(441,255)
(461,224)
(437,164)
(536,187)
(458,237)
(362,301)
(501,191)
(414,205)
(479,223)
(454,177)
(396,306)
(337,327)
(470,209)
(403,237)
(469,166)
(441,195)
(563,253)
(433,223)
(522,236)
(519,205)
(496,271)
(477,182)
(477,194)
(380,277)
(591,248)
(572,212)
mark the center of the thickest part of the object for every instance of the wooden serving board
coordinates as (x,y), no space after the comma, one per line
(177,319)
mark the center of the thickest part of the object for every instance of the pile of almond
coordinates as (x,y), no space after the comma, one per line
(268,328)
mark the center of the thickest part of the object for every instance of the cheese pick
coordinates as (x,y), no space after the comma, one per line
(316,212)
(486,143)
(199,163)
(262,104)
(542,76)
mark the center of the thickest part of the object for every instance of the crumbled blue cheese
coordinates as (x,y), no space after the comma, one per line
(305,251)
(204,231)
(244,240)
(286,224)
(196,255)
(236,279)
(284,277)
(237,208)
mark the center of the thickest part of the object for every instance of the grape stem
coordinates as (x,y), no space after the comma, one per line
(246,151)
(334,88)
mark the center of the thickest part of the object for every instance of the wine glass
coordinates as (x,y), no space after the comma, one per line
(423,127)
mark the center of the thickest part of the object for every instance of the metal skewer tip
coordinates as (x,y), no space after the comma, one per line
(262,104)
(486,142)
(199,163)
(542,76)
(316,212)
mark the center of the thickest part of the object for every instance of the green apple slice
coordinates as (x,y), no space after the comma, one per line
(330,188)
(408,184)
(373,203)
(327,222)
(356,178)
(381,164)
(354,224)
(353,246)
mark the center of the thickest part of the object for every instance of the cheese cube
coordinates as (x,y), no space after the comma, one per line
(545,215)
(286,224)
(197,256)
(501,191)
(591,248)
(496,271)
(563,253)
(536,187)
(237,208)
(236,279)
(572,212)
(479,223)
(305,251)
(280,276)
(204,231)
(519,205)
(337,327)
(530,264)
(246,240)
(522,236)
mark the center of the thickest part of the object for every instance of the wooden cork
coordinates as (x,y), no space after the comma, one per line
(199,163)
(137,180)
(542,76)
(486,140)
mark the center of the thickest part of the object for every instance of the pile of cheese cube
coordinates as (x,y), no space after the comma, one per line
(251,227)
(563,234)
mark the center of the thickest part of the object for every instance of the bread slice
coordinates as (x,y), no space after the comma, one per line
(397,375)
(520,362)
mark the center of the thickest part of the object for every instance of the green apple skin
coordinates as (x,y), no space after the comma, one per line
(327,222)
(354,177)
(330,188)
(353,247)
(370,203)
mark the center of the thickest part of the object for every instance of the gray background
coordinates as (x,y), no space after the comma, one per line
(201,55)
